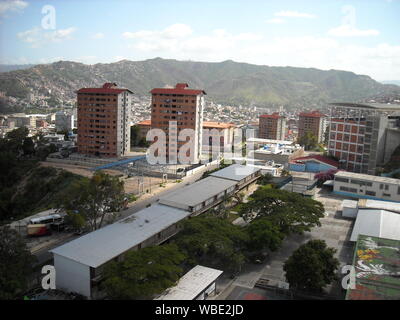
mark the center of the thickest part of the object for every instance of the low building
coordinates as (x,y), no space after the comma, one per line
(80,263)
(243,175)
(376,223)
(197,284)
(366,186)
(201,195)
(218,133)
(349,208)
(144,127)
(377,269)
(313,163)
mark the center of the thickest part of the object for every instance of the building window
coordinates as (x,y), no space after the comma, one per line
(344,180)
(370,193)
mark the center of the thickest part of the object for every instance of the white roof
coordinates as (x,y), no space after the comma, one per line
(349,203)
(270,141)
(100,246)
(367,177)
(197,192)
(191,284)
(236,172)
(377,223)
(376,204)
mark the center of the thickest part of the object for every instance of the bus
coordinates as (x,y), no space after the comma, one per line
(47,220)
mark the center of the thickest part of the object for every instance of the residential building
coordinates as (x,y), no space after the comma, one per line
(220,133)
(272,126)
(357,185)
(144,127)
(64,121)
(363,136)
(104,121)
(182,108)
(315,122)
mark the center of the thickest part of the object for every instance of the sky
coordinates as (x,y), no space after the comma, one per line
(360,36)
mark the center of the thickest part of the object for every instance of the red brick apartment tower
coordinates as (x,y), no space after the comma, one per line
(104,121)
(183,105)
(312,121)
(272,126)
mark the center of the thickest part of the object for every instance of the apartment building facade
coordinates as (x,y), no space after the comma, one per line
(104,121)
(272,126)
(180,108)
(363,136)
(314,122)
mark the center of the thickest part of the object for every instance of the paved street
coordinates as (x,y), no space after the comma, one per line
(334,229)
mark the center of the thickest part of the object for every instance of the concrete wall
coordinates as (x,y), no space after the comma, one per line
(357,191)
(72,276)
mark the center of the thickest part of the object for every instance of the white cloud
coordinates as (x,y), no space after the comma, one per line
(294,14)
(177,30)
(38,37)
(98,35)
(380,61)
(276,21)
(351,31)
(12,6)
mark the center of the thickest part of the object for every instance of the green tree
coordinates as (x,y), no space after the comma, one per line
(213,242)
(311,267)
(288,210)
(135,135)
(15,264)
(94,198)
(308,140)
(265,179)
(28,146)
(143,273)
(263,234)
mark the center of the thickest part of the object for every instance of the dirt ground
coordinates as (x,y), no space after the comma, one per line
(80,170)
(132,184)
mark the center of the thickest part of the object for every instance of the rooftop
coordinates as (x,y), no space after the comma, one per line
(191,284)
(100,246)
(376,223)
(107,88)
(312,114)
(376,106)
(368,177)
(218,125)
(180,88)
(377,266)
(144,123)
(376,204)
(197,192)
(235,172)
(318,158)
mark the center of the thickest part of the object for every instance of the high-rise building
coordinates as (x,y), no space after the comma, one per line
(183,108)
(64,121)
(272,126)
(363,136)
(315,122)
(104,120)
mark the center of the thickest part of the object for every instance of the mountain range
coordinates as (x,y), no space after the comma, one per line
(225,82)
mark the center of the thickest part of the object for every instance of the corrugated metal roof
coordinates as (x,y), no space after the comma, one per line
(377,223)
(197,192)
(376,204)
(191,284)
(100,246)
(236,172)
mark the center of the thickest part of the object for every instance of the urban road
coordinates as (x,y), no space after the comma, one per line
(44,256)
